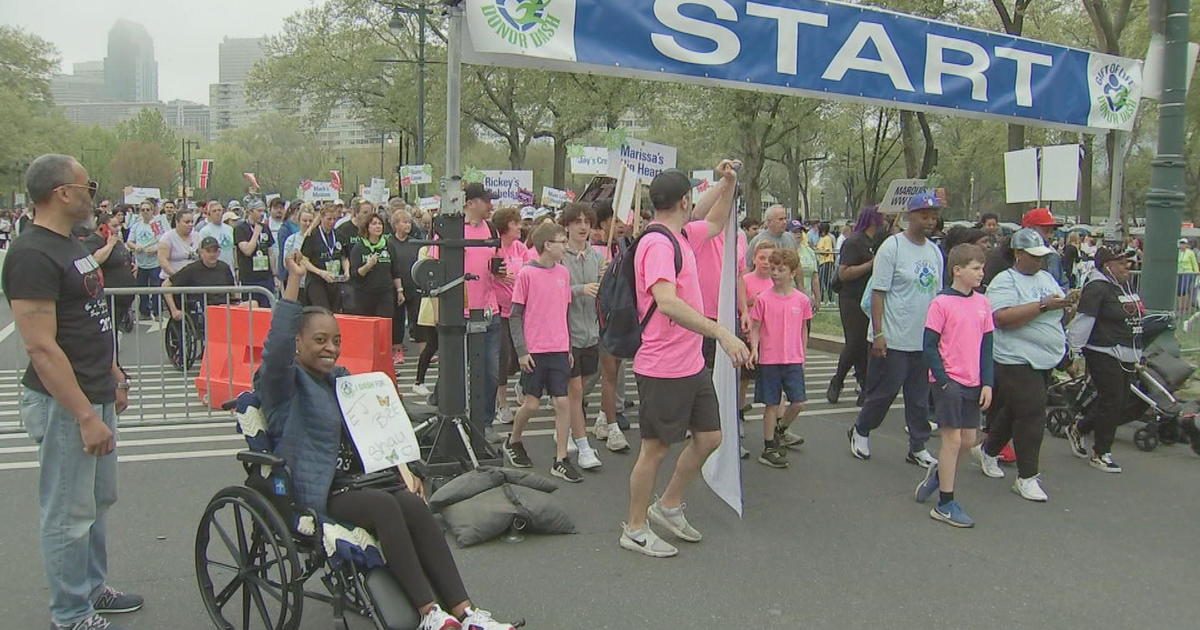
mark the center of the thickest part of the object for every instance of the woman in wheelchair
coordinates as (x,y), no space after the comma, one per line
(296,387)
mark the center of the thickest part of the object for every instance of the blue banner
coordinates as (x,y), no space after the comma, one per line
(817,49)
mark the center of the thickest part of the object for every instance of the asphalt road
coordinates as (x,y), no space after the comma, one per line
(832,542)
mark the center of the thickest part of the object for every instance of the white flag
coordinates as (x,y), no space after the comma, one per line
(723,470)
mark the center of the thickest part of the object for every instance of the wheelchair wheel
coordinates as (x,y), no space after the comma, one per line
(183,342)
(1145,439)
(247,567)
(1057,421)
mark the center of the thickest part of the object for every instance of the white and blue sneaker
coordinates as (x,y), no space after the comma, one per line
(951,514)
(928,485)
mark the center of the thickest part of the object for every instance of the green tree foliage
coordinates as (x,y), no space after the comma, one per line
(148,127)
(29,125)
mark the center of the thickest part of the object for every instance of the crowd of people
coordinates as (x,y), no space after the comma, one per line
(969,324)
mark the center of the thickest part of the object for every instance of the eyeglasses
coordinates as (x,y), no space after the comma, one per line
(562,242)
(92,186)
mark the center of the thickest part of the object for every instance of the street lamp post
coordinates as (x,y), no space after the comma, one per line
(186,147)
(384,138)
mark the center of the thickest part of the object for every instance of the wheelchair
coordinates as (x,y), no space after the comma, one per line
(183,340)
(256,551)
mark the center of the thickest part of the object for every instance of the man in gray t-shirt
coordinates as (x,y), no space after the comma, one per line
(906,277)
(774,230)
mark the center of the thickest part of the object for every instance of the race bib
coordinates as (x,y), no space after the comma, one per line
(334,267)
(260,262)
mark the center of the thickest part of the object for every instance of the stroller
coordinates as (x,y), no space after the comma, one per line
(1161,372)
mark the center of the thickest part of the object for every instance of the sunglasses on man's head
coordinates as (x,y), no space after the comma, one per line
(92,186)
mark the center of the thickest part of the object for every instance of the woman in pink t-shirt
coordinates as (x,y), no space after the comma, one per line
(512,255)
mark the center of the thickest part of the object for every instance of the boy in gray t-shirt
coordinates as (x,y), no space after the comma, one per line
(906,277)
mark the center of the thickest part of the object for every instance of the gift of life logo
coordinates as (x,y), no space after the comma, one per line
(1116,102)
(523,23)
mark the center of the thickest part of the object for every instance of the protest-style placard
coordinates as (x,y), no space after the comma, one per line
(646,158)
(378,423)
(588,160)
(553,197)
(625,193)
(317,191)
(415,174)
(135,194)
(707,178)
(429,203)
(899,191)
(509,184)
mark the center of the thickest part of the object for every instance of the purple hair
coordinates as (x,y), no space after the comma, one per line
(867,218)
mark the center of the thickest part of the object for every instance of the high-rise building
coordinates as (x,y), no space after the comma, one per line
(130,71)
(237,56)
(85,85)
(189,118)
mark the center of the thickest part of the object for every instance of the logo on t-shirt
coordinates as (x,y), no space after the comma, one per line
(926,276)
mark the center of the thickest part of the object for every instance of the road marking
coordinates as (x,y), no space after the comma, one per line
(194,426)
(8,330)
(147,457)
(9,450)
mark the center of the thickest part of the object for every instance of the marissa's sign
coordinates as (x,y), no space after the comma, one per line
(814,48)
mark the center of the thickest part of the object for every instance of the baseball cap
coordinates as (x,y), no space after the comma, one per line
(258,205)
(670,186)
(209,242)
(925,201)
(1029,240)
(230,216)
(1039,217)
(1184,241)
(234,205)
(528,212)
(475,190)
(795,224)
(542,212)
(1106,255)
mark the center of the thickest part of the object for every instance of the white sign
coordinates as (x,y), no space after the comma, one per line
(378,424)
(1021,176)
(134,194)
(623,196)
(553,197)
(429,203)
(1060,173)
(899,191)
(647,158)
(18,199)
(588,160)
(416,174)
(706,181)
(318,191)
(507,184)
(376,192)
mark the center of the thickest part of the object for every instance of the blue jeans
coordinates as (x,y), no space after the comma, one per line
(149,304)
(885,377)
(491,369)
(75,491)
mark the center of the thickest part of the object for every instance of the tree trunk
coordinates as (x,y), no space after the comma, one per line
(560,163)
(752,167)
(794,189)
(1085,179)
(929,157)
(908,140)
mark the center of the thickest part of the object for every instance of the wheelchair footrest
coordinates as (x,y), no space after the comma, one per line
(396,611)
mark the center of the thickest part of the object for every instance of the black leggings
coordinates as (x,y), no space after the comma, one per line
(415,548)
(321,293)
(405,316)
(854,330)
(1111,379)
(1019,405)
(374,303)
(431,348)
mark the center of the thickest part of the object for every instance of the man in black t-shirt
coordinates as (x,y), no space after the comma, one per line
(74,390)
(209,271)
(256,266)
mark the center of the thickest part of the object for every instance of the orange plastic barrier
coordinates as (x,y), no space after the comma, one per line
(234,346)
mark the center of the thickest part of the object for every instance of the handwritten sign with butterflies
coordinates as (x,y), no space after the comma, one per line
(379,426)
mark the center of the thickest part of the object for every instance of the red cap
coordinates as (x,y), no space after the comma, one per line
(1039,217)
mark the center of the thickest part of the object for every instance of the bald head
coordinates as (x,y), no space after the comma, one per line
(775,219)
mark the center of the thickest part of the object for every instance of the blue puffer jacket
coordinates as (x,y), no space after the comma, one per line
(303,416)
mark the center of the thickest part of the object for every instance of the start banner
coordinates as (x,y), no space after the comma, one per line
(814,48)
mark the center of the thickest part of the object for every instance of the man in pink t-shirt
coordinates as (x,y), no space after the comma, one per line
(710,255)
(777,338)
(674,387)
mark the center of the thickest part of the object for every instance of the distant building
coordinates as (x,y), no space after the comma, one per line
(188,118)
(107,115)
(237,56)
(130,70)
(84,85)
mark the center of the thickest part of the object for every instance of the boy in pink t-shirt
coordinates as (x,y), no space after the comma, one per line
(542,339)
(753,283)
(958,351)
(777,341)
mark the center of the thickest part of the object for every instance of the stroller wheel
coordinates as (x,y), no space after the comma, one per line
(1168,431)
(1057,421)
(1145,439)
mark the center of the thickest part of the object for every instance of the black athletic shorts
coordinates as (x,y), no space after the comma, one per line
(670,407)
(587,361)
(551,371)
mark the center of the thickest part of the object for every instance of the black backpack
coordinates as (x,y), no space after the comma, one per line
(616,302)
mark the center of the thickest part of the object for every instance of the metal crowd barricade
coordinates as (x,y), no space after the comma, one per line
(1187,308)
(163,382)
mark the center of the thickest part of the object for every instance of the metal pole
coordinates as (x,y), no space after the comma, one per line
(452,325)
(1115,230)
(183,164)
(421,13)
(381,137)
(454,92)
(1165,201)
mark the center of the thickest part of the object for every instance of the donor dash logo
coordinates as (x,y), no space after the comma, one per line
(524,23)
(1116,101)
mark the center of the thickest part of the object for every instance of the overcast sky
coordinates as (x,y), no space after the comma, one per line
(185,32)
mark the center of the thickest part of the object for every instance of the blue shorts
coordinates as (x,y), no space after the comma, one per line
(956,406)
(776,380)
(551,371)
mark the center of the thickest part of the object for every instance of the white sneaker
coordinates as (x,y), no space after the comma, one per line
(571,448)
(1030,489)
(420,389)
(860,446)
(674,521)
(438,619)
(922,458)
(600,429)
(588,459)
(991,465)
(616,439)
(504,415)
(646,542)
(477,619)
